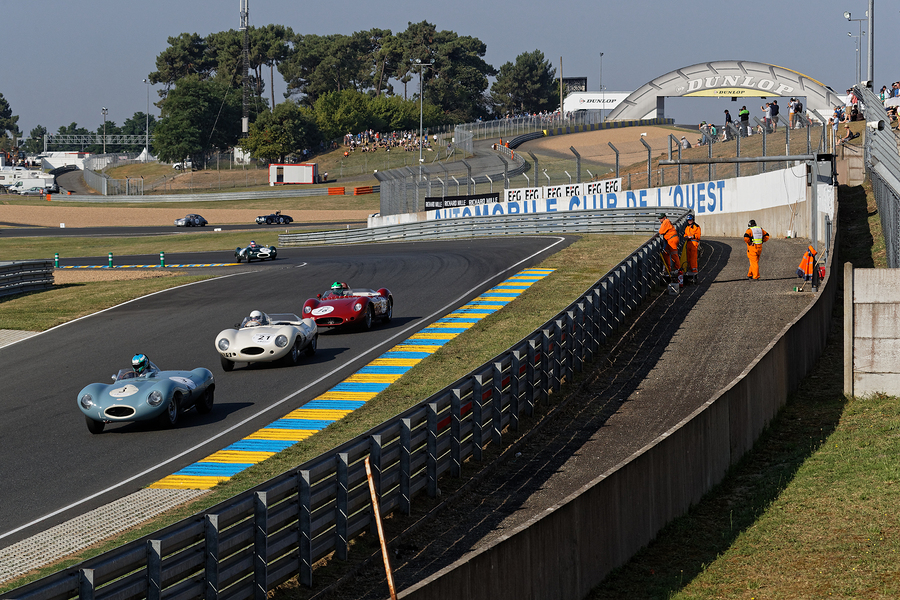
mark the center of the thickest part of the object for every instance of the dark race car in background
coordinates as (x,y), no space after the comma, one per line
(276,218)
(191,220)
(255,251)
(350,307)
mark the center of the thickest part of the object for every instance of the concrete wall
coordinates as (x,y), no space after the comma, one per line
(871,331)
(569,549)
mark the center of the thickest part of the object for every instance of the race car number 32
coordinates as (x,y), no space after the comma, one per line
(322,310)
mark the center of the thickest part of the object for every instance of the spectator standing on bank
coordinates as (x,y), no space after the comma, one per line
(726,131)
(755,237)
(775,111)
(744,116)
(767,115)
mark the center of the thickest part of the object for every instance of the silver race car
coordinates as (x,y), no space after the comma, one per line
(267,338)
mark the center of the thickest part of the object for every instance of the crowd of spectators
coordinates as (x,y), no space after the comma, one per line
(372,141)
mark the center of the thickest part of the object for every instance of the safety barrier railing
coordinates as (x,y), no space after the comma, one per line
(280,192)
(621,221)
(18,277)
(245,546)
(883,168)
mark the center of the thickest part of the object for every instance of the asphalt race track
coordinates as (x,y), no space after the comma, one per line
(168,230)
(53,466)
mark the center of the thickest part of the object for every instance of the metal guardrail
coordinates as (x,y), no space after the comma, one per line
(207,196)
(245,546)
(883,168)
(18,277)
(621,221)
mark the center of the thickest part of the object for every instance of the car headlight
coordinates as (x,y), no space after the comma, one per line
(155,398)
(307,310)
(357,307)
(223,344)
(281,341)
(86,402)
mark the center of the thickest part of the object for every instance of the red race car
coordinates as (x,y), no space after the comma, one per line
(341,305)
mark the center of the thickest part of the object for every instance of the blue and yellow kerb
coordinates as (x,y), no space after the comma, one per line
(348,395)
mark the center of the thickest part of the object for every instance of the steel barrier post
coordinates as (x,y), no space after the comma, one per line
(212,557)
(260,547)
(154,569)
(456,432)
(497,404)
(405,464)
(515,389)
(431,420)
(304,521)
(477,418)
(342,506)
(86,584)
(532,375)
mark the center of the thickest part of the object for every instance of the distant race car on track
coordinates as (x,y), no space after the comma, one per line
(274,218)
(191,220)
(254,250)
(149,395)
(267,338)
(341,305)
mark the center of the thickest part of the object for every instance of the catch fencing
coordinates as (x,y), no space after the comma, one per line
(18,277)
(883,168)
(248,545)
(404,190)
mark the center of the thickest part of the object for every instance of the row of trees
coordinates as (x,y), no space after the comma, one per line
(335,84)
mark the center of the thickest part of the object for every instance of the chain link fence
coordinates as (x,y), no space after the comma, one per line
(883,169)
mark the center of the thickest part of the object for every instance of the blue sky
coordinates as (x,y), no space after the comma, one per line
(64,60)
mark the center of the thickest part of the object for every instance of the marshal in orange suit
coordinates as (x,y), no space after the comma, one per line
(755,236)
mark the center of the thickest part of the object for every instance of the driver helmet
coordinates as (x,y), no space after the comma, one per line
(252,243)
(255,318)
(140,363)
(337,288)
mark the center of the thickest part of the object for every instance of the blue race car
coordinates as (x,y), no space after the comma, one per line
(152,395)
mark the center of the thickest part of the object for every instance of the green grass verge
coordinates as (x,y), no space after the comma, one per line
(810,512)
(32,248)
(38,311)
(368,202)
(577,268)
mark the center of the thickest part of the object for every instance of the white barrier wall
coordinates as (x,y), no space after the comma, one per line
(871,331)
(778,200)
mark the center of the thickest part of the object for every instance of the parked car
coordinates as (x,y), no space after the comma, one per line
(254,250)
(191,220)
(53,188)
(151,395)
(34,191)
(183,165)
(274,218)
(267,338)
(341,305)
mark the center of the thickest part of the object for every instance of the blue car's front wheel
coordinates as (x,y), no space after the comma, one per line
(172,413)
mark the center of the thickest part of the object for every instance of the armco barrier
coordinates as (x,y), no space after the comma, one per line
(18,277)
(570,548)
(249,544)
(615,221)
